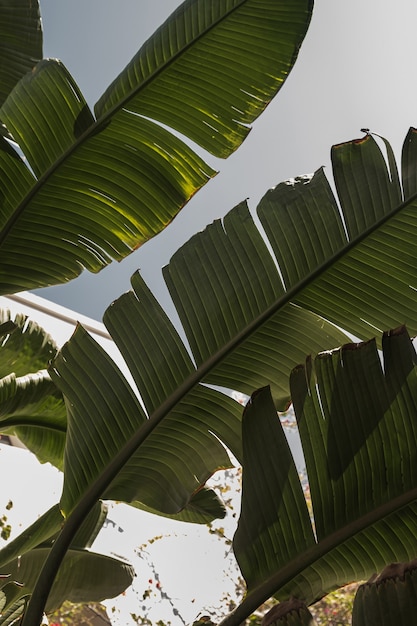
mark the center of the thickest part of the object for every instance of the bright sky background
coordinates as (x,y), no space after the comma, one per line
(356,69)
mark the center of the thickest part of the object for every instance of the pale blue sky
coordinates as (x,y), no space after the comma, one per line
(356,69)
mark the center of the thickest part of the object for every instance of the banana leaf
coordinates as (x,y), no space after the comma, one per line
(84,577)
(356,419)
(25,346)
(31,406)
(80,189)
(246,324)
(20,41)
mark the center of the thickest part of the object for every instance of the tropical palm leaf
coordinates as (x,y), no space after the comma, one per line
(244,324)
(356,420)
(181,455)
(260,321)
(97,187)
(31,406)
(20,41)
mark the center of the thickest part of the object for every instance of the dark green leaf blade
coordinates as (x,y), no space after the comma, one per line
(171,466)
(33,409)
(360,461)
(203,508)
(372,287)
(160,365)
(115,412)
(28,348)
(281,527)
(224,279)
(83,577)
(20,41)
(408,158)
(362,285)
(366,188)
(45,529)
(138,314)
(244,47)
(105,187)
(303,225)
(13,598)
(45,114)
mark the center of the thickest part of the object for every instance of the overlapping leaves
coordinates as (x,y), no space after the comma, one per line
(85,576)
(245,326)
(246,323)
(31,406)
(20,41)
(98,186)
(356,423)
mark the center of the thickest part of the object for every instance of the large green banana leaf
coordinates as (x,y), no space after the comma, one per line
(20,41)
(244,327)
(246,323)
(172,466)
(356,419)
(99,185)
(31,406)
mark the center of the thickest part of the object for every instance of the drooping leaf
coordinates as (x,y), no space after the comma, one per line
(44,530)
(31,406)
(26,347)
(40,532)
(98,187)
(33,410)
(203,507)
(168,472)
(20,41)
(357,427)
(84,576)
(246,325)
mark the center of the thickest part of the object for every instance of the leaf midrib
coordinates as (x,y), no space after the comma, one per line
(25,420)
(309,557)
